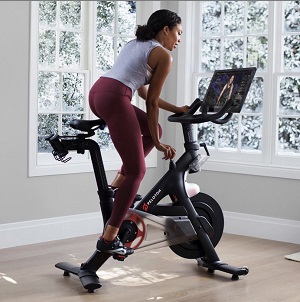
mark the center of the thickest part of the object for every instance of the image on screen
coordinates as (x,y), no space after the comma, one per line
(229,84)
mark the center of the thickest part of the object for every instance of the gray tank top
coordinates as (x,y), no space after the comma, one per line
(131,66)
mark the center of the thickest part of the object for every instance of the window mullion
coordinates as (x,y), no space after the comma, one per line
(57,29)
(222,37)
(60,103)
(267,133)
(276,12)
(59,65)
(84,32)
(116,30)
(92,34)
(239,146)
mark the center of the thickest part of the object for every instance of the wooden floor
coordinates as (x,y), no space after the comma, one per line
(28,274)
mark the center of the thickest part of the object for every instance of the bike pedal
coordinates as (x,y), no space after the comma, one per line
(119,257)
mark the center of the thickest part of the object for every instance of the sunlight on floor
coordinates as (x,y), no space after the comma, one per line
(74,259)
(133,276)
(8,279)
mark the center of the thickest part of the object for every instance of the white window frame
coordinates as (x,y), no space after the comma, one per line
(268,163)
(45,164)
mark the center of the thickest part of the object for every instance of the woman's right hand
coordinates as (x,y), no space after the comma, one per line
(183,109)
(169,151)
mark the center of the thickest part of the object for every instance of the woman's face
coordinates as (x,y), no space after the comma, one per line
(172,37)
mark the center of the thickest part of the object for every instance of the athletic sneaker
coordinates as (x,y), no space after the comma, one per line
(116,248)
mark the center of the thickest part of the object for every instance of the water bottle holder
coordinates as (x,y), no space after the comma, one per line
(61,157)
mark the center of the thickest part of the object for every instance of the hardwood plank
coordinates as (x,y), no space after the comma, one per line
(28,274)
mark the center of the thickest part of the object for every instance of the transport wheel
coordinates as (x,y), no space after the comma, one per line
(207,207)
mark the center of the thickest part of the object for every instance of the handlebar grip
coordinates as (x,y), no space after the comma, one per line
(194,106)
(224,119)
(190,117)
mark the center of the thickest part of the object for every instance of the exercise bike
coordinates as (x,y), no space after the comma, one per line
(191,227)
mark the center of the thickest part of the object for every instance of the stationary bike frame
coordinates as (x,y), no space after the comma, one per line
(178,222)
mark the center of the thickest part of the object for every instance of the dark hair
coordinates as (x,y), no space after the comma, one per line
(156,22)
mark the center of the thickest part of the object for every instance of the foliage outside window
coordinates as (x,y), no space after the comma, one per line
(73,43)
(288,117)
(115,26)
(236,34)
(62,76)
(62,96)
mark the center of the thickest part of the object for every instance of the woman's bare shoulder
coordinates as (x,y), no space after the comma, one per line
(159,55)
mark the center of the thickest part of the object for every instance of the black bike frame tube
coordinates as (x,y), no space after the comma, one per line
(193,217)
(104,192)
(166,184)
(93,147)
(95,261)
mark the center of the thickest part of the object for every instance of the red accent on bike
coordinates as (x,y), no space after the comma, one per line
(145,207)
(141,233)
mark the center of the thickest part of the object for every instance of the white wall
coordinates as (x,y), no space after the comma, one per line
(45,208)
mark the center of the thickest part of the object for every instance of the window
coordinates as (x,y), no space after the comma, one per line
(264,138)
(288,82)
(72,44)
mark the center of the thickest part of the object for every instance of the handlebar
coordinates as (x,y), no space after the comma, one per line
(189,117)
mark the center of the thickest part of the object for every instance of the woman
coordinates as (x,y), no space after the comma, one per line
(226,92)
(143,61)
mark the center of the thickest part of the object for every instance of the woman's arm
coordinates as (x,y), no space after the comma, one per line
(161,62)
(221,93)
(161,71)
(230,93)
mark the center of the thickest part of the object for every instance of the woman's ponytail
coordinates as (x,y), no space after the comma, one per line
(144,33)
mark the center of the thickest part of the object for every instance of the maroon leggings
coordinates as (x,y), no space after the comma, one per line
(110,100)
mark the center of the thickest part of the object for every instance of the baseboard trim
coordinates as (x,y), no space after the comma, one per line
(262,227)
(44,230)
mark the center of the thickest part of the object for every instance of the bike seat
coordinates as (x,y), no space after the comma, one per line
(88,125)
